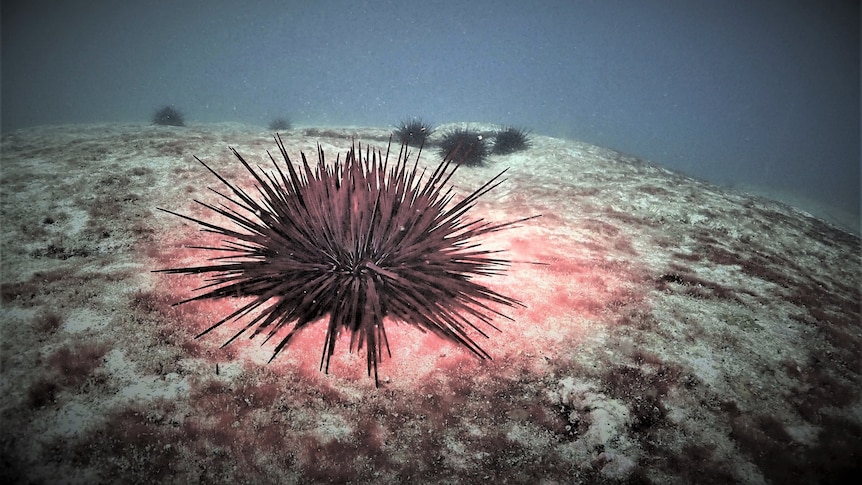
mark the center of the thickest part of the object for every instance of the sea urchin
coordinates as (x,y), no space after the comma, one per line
(168,116)
(511,140)
(414,132)
(357,241)
(466,146)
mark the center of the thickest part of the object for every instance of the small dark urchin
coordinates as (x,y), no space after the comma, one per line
(467,146)
(414,132)
(510,140)
(357,240)
(169,116)
(280,124)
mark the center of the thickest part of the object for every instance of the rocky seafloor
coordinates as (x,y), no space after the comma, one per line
(676,332)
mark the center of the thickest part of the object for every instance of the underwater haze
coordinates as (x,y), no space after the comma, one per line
(759,95)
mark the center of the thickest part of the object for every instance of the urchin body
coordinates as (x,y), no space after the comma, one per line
(357,241)
(466,146)
(168,116)
(280,124)
(414,132)
(511,140)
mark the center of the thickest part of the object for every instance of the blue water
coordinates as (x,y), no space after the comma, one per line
(762,93)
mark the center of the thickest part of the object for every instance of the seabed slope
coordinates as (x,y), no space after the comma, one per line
(679,332)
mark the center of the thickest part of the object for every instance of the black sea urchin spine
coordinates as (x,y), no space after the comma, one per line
(357,241)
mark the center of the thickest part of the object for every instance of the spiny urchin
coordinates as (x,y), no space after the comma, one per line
(466,146)
(280,124)
(357,241)
(168,116)
(510,140)
(414,132)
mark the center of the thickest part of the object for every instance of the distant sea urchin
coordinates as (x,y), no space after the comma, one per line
(511,140)
(168,116)
(357,241)
(414,132)
(466,146)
